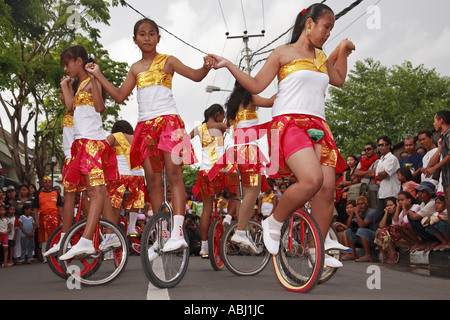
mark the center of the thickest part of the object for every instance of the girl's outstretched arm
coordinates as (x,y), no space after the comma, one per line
(257,84)
(197,75)
(96,88)
(119,95)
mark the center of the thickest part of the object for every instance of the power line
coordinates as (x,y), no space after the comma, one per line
(178,38)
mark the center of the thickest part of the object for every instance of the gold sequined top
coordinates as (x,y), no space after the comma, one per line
(244,115)
(210,144)
(155,75)
(67,120)
(317,64)
(82,97)
(123,148)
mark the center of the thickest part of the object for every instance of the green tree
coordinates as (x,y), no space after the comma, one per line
(34,32)
(190,174)
(398,101)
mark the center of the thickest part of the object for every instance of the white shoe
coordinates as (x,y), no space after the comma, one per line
(329,261)
(271,245)
(78,250)
(52,250)
(174,244)
(152,255)
(110,240)
(245,242)
(204,252)
(226,222)
(331,244)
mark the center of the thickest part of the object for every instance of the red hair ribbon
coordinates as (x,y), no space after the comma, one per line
(303,12)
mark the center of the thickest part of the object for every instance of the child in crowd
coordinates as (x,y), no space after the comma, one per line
(12,220)
(267,201)
(5,228)
(27,226)
(438,225)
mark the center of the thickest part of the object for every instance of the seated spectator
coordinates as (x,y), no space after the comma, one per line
(425,192)
(438,225)
(386,235)
(362,230)
(341,227)
(400,229)
(404,175)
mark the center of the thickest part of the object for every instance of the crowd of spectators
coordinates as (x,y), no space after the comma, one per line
(396,203)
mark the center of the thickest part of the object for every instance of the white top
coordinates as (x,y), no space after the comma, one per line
(246,124)
(68,139)
(124,167)
(155,101)
(302,92)
(87,123)
(389,186)
(425,160)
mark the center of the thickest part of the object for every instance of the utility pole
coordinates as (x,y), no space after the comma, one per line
(246,50)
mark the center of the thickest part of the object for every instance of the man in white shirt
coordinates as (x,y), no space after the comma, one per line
(386,173)
(426,140)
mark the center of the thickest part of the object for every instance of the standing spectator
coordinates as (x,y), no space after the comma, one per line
(426,140)
(413,160)
(366,171)
(10,195)
(442,125)
(5,228)
(27,226)
(48,207)
(386,173)
(21,199)
(361,230)
(31,191)
(12,220)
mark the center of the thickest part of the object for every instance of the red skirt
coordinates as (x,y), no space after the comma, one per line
(247,160)
(204,187)
(164,133)
(136,192)
(289,133)
(92,158)
(48,222)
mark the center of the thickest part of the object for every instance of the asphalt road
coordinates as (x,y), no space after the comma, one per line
(355,281)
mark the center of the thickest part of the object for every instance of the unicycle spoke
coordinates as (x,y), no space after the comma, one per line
(239,260)
(163,269)
(106,264)
(299,263)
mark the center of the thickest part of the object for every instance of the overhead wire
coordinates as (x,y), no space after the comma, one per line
(173,35)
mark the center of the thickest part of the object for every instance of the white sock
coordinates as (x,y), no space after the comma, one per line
(62,237)
(132,224)
(177,231)
(274,225)
(228,218)
(205,244)
(84,242)
(241,233)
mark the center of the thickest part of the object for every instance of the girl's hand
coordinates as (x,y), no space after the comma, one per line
(208,62)
(65,81)
(347,46)
(220,62)
(92,69)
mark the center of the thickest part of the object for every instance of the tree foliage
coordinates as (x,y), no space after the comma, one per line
(34,32)
(377,100)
